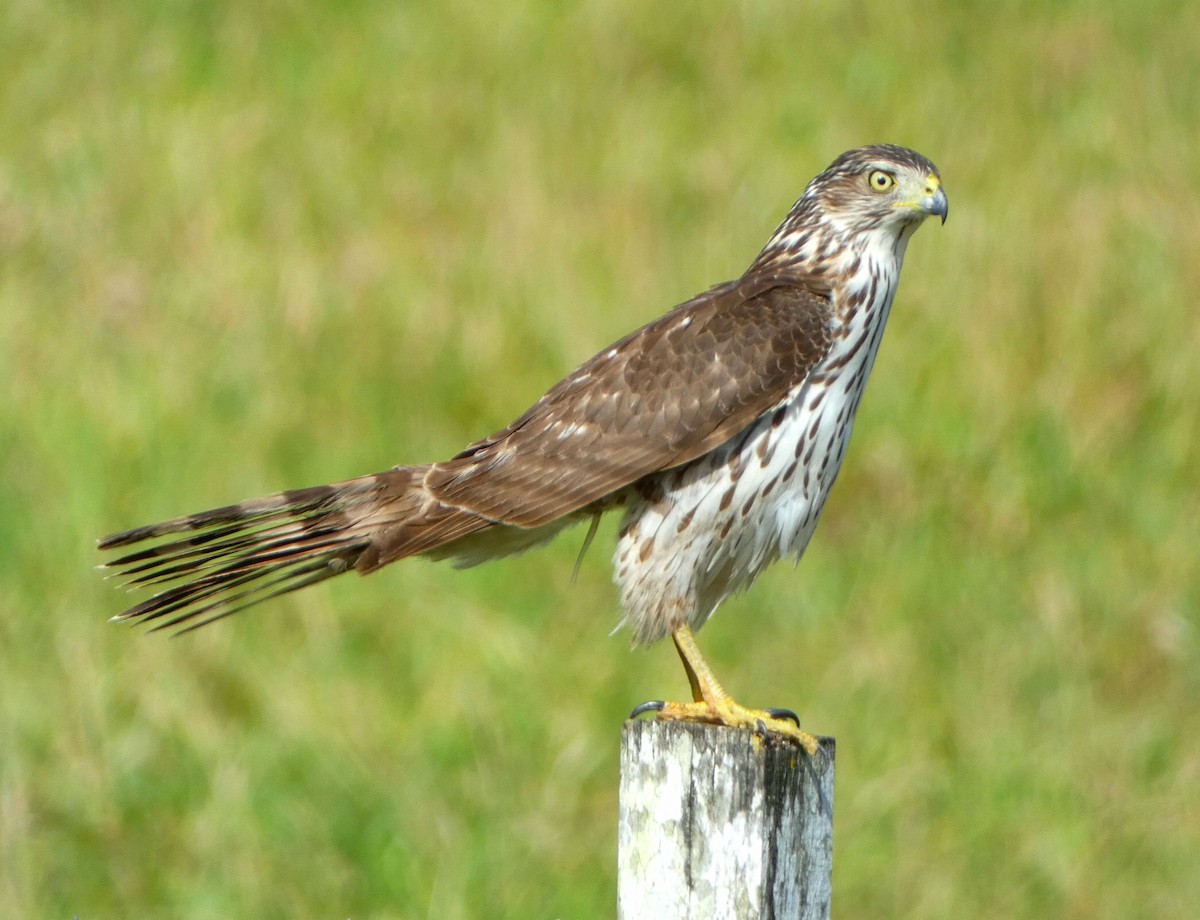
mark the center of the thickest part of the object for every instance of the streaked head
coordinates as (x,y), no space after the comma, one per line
(880,185)
(869,200)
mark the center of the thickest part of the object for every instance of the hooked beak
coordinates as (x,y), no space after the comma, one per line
(935,203)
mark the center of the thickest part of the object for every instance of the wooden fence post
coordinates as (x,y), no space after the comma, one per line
(717,823)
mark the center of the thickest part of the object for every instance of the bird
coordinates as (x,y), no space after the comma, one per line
(716,431)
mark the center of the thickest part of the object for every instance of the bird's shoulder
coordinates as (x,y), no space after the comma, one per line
(734,314)
(658,398)
(755,333)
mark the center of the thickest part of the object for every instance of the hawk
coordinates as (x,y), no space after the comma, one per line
(716,430)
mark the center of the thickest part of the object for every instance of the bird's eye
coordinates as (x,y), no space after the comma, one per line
(881,181)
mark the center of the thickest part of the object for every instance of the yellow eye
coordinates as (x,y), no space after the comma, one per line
(881,181)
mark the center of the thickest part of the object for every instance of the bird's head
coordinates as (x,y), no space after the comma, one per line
(879,187)
(871,198)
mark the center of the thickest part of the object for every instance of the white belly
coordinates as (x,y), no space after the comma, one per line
(718,522)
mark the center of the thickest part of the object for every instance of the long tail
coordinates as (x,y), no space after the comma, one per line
(240,555)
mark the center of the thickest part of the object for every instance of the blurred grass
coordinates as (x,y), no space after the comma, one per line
(253,246)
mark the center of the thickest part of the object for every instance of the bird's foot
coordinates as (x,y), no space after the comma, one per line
(781,723)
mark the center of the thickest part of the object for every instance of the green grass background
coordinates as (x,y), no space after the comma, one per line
(251,246)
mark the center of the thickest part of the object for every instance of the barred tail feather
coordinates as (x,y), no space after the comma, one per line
(234,557)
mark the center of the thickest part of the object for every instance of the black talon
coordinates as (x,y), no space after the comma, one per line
(648,706)
(784,714)
(762,728)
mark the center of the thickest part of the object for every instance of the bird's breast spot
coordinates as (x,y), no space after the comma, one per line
(645,550)
(727,498)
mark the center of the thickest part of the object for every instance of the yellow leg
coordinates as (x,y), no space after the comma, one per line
(711,703)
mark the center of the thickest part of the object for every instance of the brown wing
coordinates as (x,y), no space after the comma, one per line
(662,396)
(658,398)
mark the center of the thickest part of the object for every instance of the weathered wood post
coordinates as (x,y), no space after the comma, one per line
(718,823)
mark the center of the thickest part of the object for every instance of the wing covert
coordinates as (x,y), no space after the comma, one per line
(666,394)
